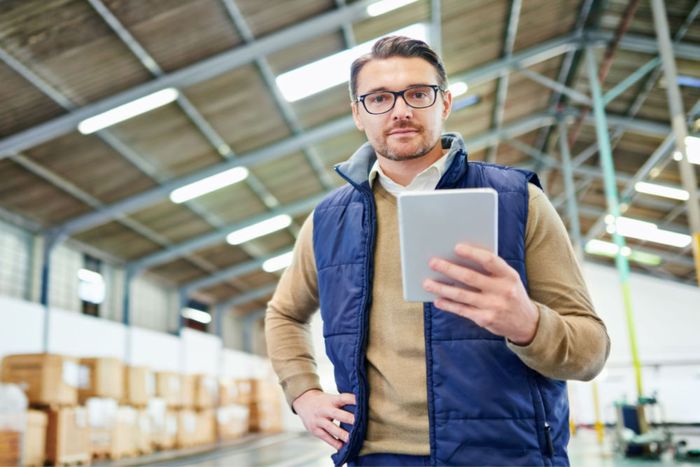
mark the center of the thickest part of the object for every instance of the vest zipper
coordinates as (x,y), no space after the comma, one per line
(548,437)
(547,427)
(362,410)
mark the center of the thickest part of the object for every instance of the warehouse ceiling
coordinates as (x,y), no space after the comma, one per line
(62,61)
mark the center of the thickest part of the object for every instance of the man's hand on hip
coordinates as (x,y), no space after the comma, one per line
(319,410)
(497,300)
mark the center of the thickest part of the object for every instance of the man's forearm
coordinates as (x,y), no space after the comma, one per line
(572,346)
(290,349)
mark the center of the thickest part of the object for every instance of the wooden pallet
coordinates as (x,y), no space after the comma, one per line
(76,459)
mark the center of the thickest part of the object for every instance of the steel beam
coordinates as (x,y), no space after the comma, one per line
(436,26)
(249,296)
(629,81)
(678,121)
(502,87)
(613,206)
(284,107)
(575,96)
(256,157)
(189,75)
(229,273)
(219,235)
(572,201)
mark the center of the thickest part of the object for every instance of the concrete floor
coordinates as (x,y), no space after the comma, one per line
(297,449)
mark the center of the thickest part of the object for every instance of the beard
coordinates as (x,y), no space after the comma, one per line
(423,148)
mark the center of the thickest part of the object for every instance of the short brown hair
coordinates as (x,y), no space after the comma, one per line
(397,46)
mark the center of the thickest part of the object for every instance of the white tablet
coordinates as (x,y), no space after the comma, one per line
(432,223)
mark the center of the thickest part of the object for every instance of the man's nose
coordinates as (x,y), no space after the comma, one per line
(401,110)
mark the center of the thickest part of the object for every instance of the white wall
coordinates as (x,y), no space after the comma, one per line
(667,320)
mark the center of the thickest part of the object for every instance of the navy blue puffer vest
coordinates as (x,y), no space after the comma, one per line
(485,406)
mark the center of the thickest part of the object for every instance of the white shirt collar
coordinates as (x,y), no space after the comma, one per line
(425,180)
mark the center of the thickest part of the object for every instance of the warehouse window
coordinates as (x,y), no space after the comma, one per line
(196,315)
(91,286)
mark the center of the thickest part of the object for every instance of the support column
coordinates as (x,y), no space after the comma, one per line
(678,122)
(611,195)
(49,243)
(129,275)
(570,188)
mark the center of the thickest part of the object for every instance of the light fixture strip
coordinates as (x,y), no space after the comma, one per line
(128,110)
(209,184)
(260,229)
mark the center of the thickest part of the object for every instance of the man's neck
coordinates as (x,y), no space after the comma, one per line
(403,172)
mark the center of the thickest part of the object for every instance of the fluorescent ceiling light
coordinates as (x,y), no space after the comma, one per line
(661,190)
(332,70)
(385,6)
(458,88)
(601,248)
(196,315)
(265,227)
(646,231)
(209,184)
(692,149)
(127,111)
(278,262)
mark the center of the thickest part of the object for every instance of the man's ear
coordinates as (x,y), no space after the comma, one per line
(356,116)
(446,104)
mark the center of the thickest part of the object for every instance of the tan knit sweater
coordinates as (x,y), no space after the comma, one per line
(571,341)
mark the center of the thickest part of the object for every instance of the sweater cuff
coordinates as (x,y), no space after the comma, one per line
(296,385)
(547,329)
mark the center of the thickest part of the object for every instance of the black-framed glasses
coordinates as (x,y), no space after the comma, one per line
(418,97)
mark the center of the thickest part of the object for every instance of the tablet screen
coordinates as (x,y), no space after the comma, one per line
(432,223)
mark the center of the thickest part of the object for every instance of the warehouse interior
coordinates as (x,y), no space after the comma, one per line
(138,253)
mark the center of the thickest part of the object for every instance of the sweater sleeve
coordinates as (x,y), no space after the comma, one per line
(288,316)
(571,341)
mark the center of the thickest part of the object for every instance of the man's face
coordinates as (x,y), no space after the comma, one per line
(403,133)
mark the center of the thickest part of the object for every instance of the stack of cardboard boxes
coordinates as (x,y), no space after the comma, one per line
(265,406)
(88,408)
(232,416)
(101,390)
(51,385)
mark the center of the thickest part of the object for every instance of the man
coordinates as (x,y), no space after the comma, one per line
(477,376)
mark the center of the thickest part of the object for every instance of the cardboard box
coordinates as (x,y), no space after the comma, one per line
(139,386)
(188,391)
(206,392)
(124,435)
(232,421)
(143,443)
(163,424)
(169,388)
(265,417)
(101,377)
(206,427)
(47,379)
(35,438)
(264,390)
(102,419)
(186,428)
(10,446)
(68,436)
(228,392)
(235,391)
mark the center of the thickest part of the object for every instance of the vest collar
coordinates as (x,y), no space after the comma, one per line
(356,169)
